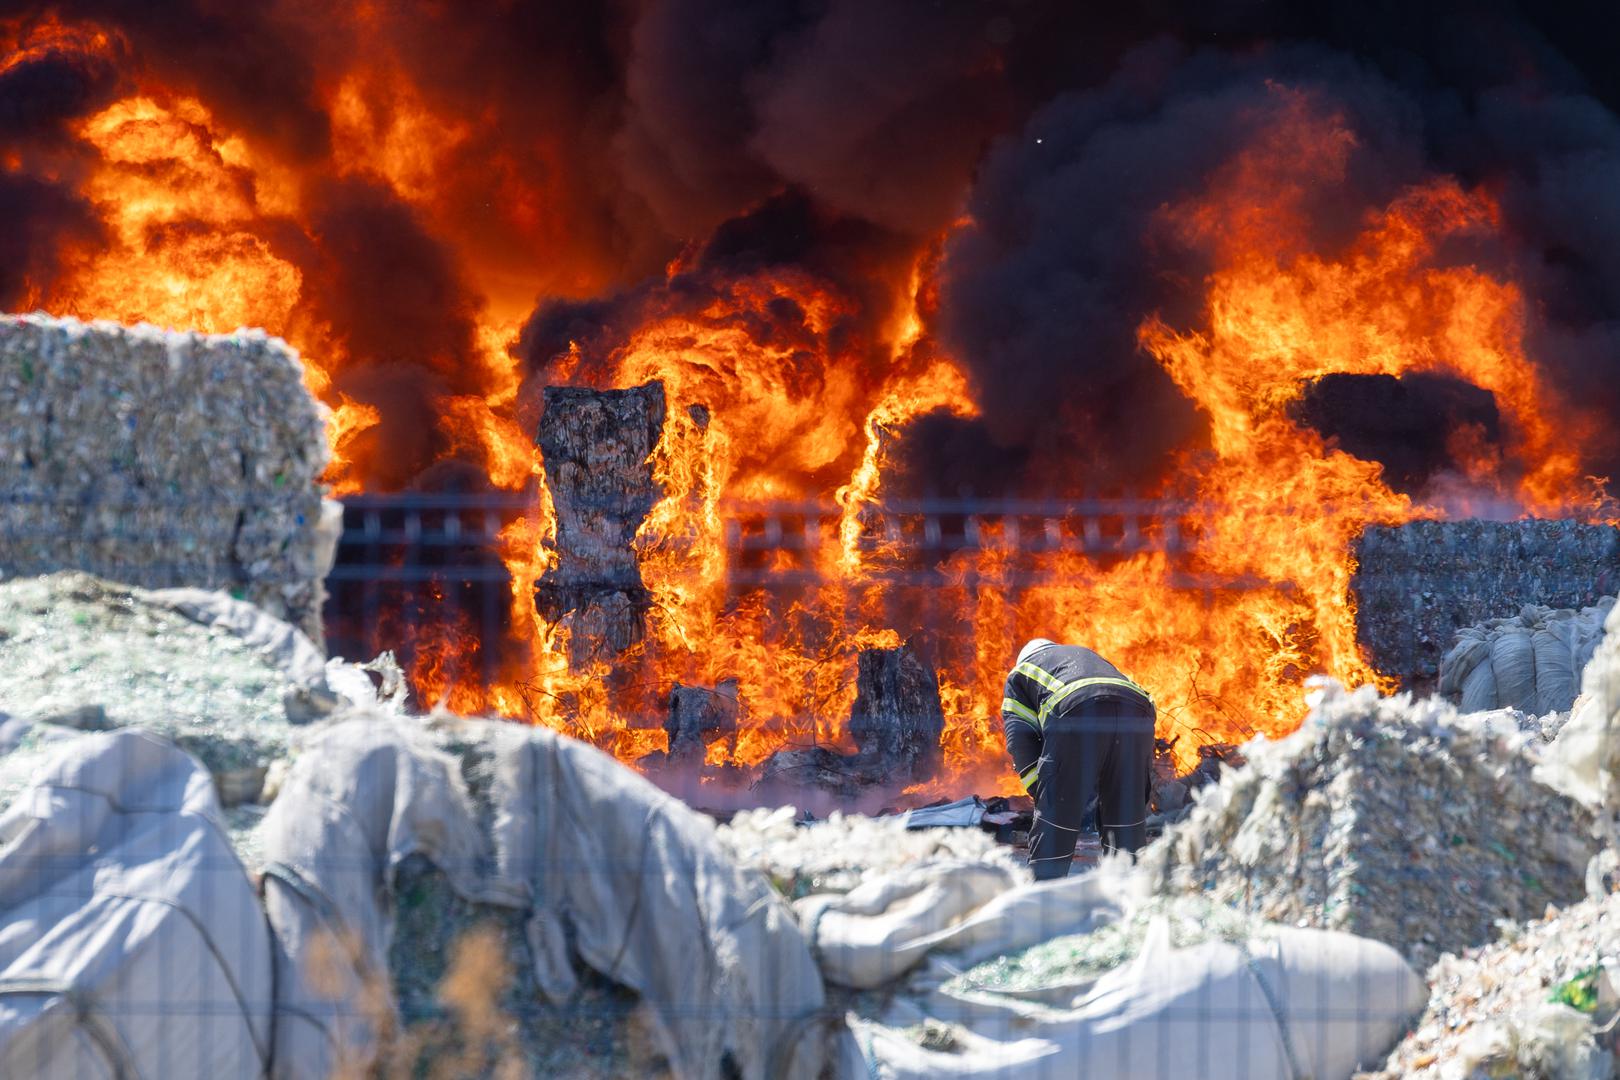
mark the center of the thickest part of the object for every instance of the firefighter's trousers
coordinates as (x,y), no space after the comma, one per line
(1103,748)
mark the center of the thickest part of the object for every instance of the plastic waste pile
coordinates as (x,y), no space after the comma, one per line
(1397,820)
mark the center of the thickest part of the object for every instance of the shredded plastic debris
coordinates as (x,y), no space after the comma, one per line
(839,853)
(1075,958)
(85,653)
(1394,819)
(1533,1005)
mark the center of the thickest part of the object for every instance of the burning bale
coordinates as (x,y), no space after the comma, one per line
(162,459)
(699,716)
(896,722)
(897,719)
(598,446)
(1390,818)
(1418,584)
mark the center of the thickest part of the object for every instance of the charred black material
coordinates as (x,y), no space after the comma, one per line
(596,445)
(1413,425)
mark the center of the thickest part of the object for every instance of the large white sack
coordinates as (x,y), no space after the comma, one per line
(1295,1003)
(604,864)
(1530,662)
(880,931)
(131,940)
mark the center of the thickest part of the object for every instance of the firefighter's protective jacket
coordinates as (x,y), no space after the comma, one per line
(1054,680)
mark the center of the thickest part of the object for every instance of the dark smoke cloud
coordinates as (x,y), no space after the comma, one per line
(1042,297)
(42,220)
(687,115)
(878,109)
(53,76)
(533,90)
(248,65)
(854,258)
(882,112)
(400,310)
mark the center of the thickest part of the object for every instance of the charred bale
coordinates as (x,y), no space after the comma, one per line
(597,446)
(897,719)
(815,768)
(699,716)
(1411,424)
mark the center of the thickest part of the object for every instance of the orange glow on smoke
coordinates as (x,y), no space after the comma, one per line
(1223,636)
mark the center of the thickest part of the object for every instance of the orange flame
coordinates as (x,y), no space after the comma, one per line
(1223,635)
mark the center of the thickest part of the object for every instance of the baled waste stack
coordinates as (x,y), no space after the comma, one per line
(1538,1003)
(1543,1001)
(1397,820)
(597,446)
(1416,585)
(163,459)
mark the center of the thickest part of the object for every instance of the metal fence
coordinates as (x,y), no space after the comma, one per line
(407,559)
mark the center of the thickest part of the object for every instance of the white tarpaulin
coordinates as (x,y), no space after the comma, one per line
(606,866)
(131,941)
(1531,662)
(1281,1003)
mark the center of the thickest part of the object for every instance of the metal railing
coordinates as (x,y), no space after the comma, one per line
(409,560)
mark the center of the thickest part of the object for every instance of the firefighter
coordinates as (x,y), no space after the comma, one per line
(1075,728)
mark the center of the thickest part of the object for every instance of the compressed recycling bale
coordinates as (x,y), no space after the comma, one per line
(163,459)
(1398,820)
(1417,584)
(1531,662)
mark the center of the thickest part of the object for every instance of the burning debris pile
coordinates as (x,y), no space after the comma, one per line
(161,459)
(1391,818)
(896,722)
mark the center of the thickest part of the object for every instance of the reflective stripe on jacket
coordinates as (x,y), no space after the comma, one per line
(1054,680)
